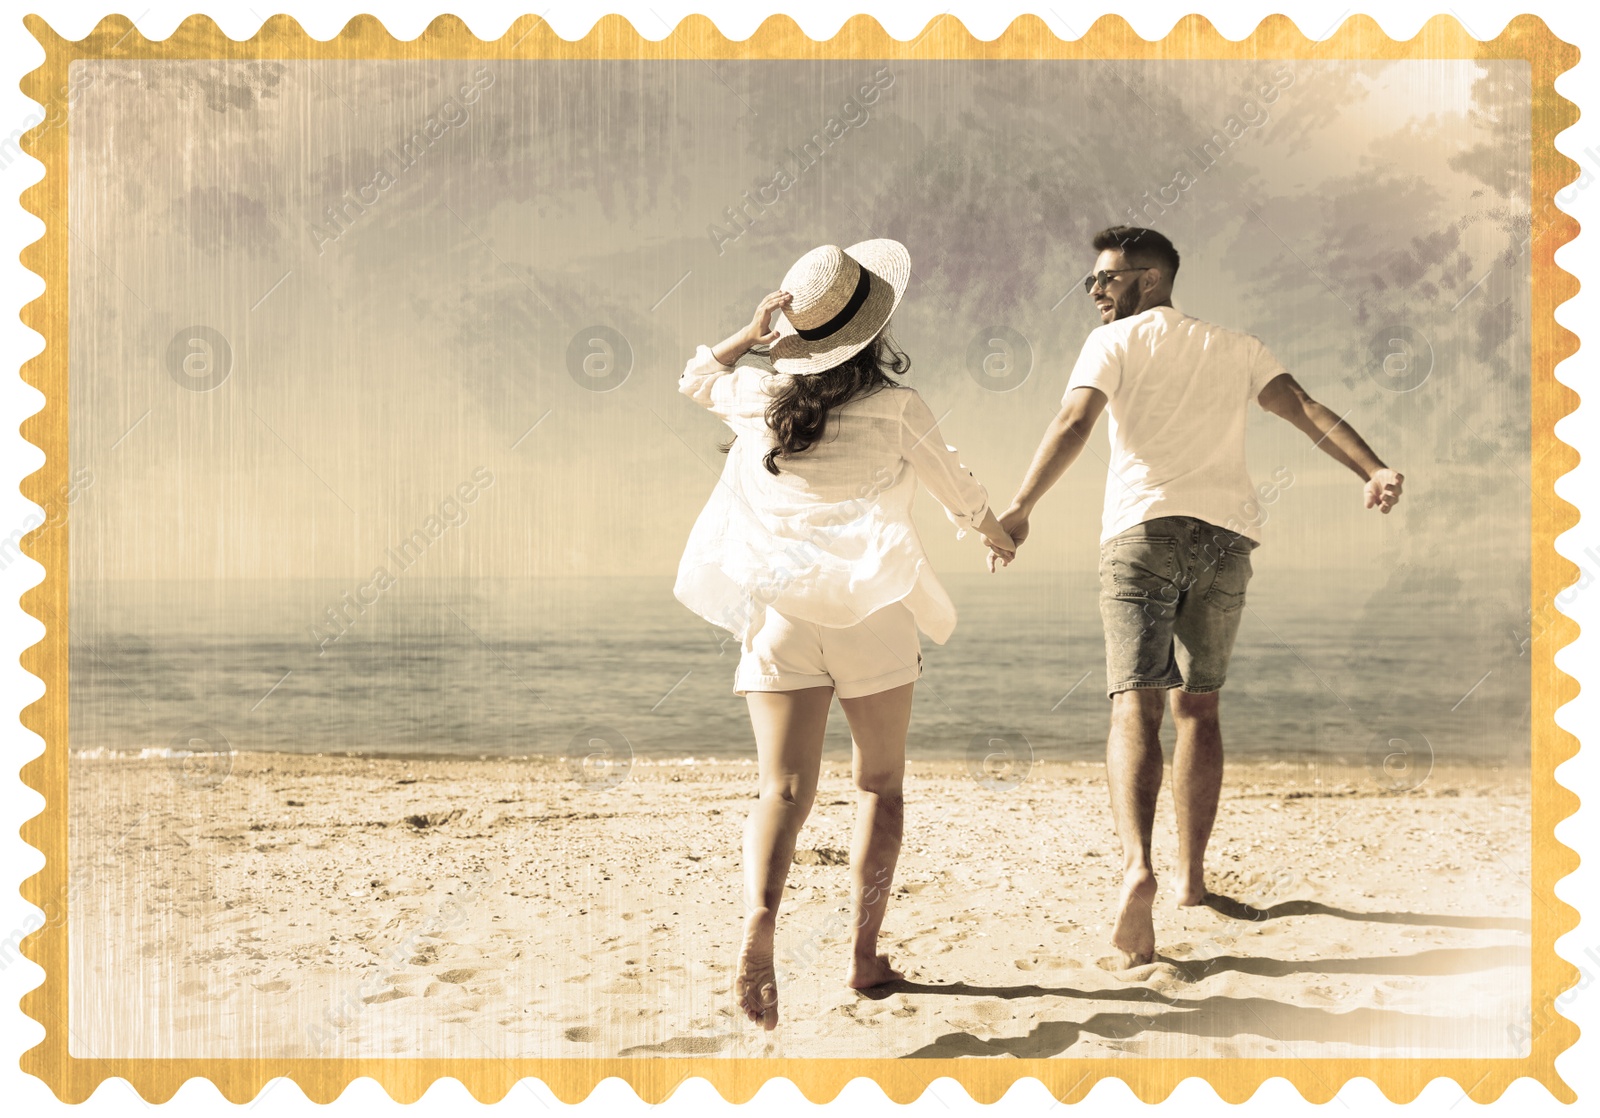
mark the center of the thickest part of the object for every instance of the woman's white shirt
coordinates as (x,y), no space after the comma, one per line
(829,539)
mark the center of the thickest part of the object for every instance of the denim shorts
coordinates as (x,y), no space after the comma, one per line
(1171,596)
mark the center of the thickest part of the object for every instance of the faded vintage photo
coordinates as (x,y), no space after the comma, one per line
(845,559)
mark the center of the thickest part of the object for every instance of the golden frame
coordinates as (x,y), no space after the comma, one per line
(612,37)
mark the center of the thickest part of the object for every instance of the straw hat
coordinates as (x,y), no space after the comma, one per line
(842,298)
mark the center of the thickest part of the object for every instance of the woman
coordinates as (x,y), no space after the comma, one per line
(806,552)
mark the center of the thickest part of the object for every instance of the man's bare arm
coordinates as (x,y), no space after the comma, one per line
(1284,397)
(1062,443)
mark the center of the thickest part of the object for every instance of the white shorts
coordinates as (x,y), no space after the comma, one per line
(881,652)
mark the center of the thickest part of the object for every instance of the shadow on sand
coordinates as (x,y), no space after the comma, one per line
(1218,1017)
(1460,960)
(1238,910)
(1448,960)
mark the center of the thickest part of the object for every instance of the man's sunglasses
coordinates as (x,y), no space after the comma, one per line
(1103,278)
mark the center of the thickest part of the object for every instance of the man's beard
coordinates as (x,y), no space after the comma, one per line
(1126,304)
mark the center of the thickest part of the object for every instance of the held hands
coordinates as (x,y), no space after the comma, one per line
(1383,489)
(1001,545)
(1004,550)
(1014,524)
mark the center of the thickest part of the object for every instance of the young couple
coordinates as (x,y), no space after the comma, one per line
(807,552)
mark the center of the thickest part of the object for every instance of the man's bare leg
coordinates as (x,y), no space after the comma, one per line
(789,726)
(1196,786)
(878,726)
(1133,769)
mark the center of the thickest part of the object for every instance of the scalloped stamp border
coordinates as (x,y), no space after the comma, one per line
(612,37)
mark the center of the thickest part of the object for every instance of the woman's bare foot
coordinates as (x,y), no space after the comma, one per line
(1135,932)
(867,972)
(757,985)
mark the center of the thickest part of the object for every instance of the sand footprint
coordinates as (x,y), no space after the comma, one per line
(1132,974)
(1163,977)
(1047,962)
(862,1012)
(991,1012)
(680,1046)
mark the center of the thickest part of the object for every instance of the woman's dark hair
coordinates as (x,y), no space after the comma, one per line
(798,414)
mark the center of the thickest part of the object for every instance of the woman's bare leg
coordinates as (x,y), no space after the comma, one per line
(878,726)
(789,726)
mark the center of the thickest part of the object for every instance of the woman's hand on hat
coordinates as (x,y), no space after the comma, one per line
(760,331)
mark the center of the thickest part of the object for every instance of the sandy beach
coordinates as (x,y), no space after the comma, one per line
(285,905)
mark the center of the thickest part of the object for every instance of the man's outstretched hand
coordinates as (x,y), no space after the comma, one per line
(1383,491)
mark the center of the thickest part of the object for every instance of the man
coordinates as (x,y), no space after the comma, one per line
(1176,537)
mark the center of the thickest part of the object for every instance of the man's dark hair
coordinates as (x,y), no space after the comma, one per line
(1142,247)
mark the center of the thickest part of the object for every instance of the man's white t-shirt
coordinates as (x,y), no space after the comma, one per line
(1178,391)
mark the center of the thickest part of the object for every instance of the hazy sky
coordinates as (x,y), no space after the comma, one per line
(380,359)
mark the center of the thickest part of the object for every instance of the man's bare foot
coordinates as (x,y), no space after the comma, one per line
(756,984)
(866,973)
(1192,890)
(1135,932)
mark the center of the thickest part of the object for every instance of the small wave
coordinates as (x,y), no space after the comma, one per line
(147,753)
